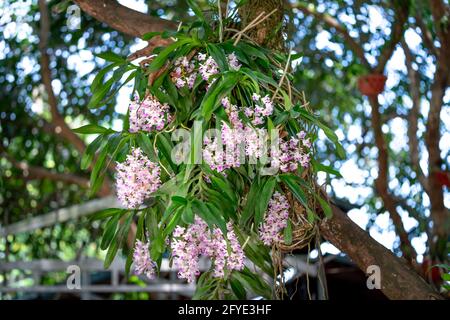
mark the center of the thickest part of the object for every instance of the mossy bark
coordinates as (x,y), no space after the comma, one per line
(268,33)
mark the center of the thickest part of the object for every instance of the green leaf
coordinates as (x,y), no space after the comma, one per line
(223,187)
(101,89)
(197,11)
(188,214)
(149,35)
(111,56)
(152,221)
(145,144)
(270,125)
(212,98)
(90,151)
(294,187)
(260,256)
(250,204)
(325,207)
(169,211)
(217,198)
(258,76)
(99,165)
(110,231)
(98,80)
(124,229)
(196,143)
(171,90)
(252,51)
(129,261)
(324,168)
(120,149)
(99,94)
(162,57)
(253,283)
(91,129)
(287,100)
(205,213)
(296,56)
(173,222)
(238,288)
(263,200)
(110,254)
(106,213)
(164,145)
(288,233)
(181,201)
(140,226)
(218,55)
(281,118)
(328,132)
(217,216)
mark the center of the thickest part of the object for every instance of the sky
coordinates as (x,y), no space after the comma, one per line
(382,230)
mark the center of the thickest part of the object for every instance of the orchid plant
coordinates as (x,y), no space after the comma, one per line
(215,149)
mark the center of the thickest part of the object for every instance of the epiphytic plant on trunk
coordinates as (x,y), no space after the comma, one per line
(242,197)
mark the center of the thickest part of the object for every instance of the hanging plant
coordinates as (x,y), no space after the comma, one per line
(216,159)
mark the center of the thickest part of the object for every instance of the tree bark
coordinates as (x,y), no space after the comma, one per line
(398,279)
(58,123)
(439,213)
(382,181)
(123,19)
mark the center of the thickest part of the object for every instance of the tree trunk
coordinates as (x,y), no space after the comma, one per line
(268,33)
(398,280)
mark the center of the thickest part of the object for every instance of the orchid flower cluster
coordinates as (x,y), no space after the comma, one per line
(148,115)
(143,264)
(185,71)
(275,219)
(238,140)
(136,179)
(197,240)
(291,153)
(208,67)
(233,62)
(263,108)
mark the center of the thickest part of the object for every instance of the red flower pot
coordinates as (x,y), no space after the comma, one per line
(371,84)
(430,272)
(443,178)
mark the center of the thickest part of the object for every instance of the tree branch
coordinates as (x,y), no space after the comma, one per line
(382,185)
(413,116)
(398,280)
(439,213)
(61,127)
(58,126)
(426,35)
(34,172)
(439,10)
(401,15)
(123,19)
(334,23)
